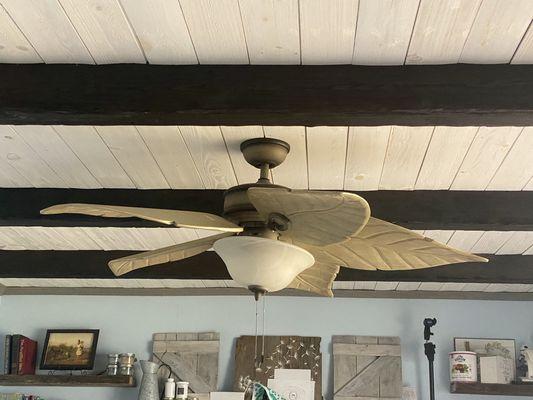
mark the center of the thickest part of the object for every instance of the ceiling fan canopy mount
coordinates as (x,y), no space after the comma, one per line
(272,237)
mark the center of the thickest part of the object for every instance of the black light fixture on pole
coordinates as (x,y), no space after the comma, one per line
(429,350)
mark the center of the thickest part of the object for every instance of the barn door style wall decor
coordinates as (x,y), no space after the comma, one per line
(193,358)
(281,352)
(367,367)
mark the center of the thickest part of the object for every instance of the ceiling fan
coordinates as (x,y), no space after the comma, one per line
(273,237)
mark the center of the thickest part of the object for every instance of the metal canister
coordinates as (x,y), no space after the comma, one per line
(126,359)
(125,370)
(112,369)
(112,359)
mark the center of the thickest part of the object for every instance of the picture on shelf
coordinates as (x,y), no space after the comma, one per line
(69,349)
(489,347)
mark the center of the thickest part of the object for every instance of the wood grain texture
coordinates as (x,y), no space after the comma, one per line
(327,31)
(55,153)
(104,29)
(272,31)
(383,31)
(233,137)
(131,152)
(68,380)
(293,172)
(516,169)
(24,160)
(161,30)
(524,53)
(367,147)
(326,157)
(216,30)
(445,153)
(172,156)
(441,30)
(15,47)
(484,157)
(497,31)
(492,389)
(89,147)
(405,153)
(47,27)
(346,95)
(207,147)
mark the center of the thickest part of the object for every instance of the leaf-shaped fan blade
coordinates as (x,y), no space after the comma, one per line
(385,246)
(317,218)
(182,219)
(177,252)
(317,279)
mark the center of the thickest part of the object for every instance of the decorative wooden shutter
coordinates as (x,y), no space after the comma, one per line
(367,368)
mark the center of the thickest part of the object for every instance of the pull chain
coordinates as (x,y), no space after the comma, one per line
(259,358)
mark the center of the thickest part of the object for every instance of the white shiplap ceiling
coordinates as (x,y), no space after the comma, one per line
(336,158)
(266,31)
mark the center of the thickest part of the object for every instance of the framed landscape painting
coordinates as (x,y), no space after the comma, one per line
(69,349)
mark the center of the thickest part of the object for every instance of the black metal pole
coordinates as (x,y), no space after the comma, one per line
(429,350)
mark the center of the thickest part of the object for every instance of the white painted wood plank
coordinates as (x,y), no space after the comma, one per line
(464,240)
(216,31)
(77,238)
(161,30)
(446,152)
(153,238)
(386,285)
(182,235)
(408,286)
(131,152)
(115,238)
(105,30)
(293,172)
(85,142)
(405,154)
(497,30)
(518,243)
(326,156)
(513,288)
(367,147)
(452,287)
(54,151)
(327,30)
(383,31)
(9,177)
(441,30)
(10,240)
(172,155)
(14,47)
(364,285)
(431,286)
(491,241)
(439,235)
(342,285)
(16,152)
(41,238)
(484,157)
(234,136)
(210,155)
(524,53)
(517,168)
(47,27)
(212,283)
(272,31)
(475,287)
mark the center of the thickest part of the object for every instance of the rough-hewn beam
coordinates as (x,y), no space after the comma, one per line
(266,95)
(93,265)
(448,210)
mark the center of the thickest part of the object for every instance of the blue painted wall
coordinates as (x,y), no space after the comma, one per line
(127,324)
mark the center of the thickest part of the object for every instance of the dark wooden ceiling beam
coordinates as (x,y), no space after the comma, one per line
(93,265)
(456,95)
(448,210)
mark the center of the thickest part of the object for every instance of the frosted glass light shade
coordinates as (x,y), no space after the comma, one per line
(266,263)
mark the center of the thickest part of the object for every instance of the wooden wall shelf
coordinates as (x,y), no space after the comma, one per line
(67,380)
(492,389)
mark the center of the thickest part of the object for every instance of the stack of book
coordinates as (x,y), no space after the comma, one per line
(20,355)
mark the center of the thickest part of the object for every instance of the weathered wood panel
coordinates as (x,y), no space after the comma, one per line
(367,367)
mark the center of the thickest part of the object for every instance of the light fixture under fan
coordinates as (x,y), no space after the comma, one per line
(273,237)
